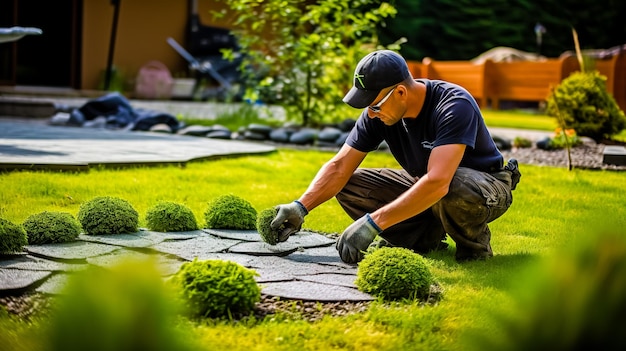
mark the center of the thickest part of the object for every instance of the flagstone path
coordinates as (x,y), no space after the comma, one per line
(306,267)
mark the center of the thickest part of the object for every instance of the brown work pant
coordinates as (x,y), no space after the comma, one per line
(474,199)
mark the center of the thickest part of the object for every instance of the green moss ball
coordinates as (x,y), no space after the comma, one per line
(51,227)
(263,221)
(12,237)
(230,212)
(169,216)
(216,288)
(394,273)
(108,215)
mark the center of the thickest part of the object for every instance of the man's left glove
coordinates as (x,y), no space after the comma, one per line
(356,238)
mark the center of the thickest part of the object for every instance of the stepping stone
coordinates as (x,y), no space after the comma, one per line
(167,266)
(196,247)
(143,238)
(312,291)
(168,236)
(18,279)
(38,264)
(294,268)
(304,239)
(264,249)
(327,255)
(614,155)
(346,280)
(271,275)
(244,260)
(125,240)
(72,251)
(308,239)
(235,234)
(54,284)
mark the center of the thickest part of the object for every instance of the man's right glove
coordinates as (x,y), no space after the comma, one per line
(356,238)
(291,216)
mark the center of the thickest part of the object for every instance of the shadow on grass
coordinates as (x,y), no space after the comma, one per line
(495,272)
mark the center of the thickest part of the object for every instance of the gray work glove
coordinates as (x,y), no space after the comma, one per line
(356,238)
(291,216)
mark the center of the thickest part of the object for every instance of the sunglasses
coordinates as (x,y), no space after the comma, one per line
(376,108)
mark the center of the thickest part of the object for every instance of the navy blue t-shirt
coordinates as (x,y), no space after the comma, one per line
(450,115)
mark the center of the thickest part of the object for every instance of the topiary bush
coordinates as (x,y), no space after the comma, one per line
(393,273)
(12,237)
(51,227)
(585,106)
(168,216)
(230,212)
(216,288)
(263,221)
(108,215)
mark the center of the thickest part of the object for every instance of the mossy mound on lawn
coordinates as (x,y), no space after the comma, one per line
(263,221)
(51,227)
(394,273)
(12,237)
(169,216)
(230,212)
(108,215)
(216,288)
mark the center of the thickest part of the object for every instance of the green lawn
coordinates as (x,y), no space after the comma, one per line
(552,209)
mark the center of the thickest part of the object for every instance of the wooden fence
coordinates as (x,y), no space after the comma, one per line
(492,82)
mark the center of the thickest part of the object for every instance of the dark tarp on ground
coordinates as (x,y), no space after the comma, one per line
(120,114)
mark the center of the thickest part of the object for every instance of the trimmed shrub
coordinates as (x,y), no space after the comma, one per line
(12,237)
(263,221)
(394,273)
(108,215)
(121,308)
(51,227)
(170,217)
(216,288)
(230,212)
(585,106)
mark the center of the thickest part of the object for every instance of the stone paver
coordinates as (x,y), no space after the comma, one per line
(28,144)
(307,268)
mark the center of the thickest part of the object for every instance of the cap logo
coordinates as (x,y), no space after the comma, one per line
(358,77)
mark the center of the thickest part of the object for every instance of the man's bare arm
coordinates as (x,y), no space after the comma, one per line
(442,164)
(332,177)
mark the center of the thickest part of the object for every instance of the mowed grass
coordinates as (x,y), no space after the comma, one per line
(552,209)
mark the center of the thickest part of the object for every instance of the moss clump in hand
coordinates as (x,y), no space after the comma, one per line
(263,222)
(108,215)
(170,217)
(230,212)
(216,288)
(394,273)
(51,227)
(12,237)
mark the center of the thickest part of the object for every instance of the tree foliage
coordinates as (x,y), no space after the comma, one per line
(303,52)
(463,29)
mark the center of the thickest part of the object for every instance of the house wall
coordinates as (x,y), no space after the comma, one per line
(142,29)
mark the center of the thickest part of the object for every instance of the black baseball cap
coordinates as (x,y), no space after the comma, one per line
(375,72)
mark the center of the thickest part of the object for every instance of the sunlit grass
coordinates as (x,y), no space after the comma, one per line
(519,119)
